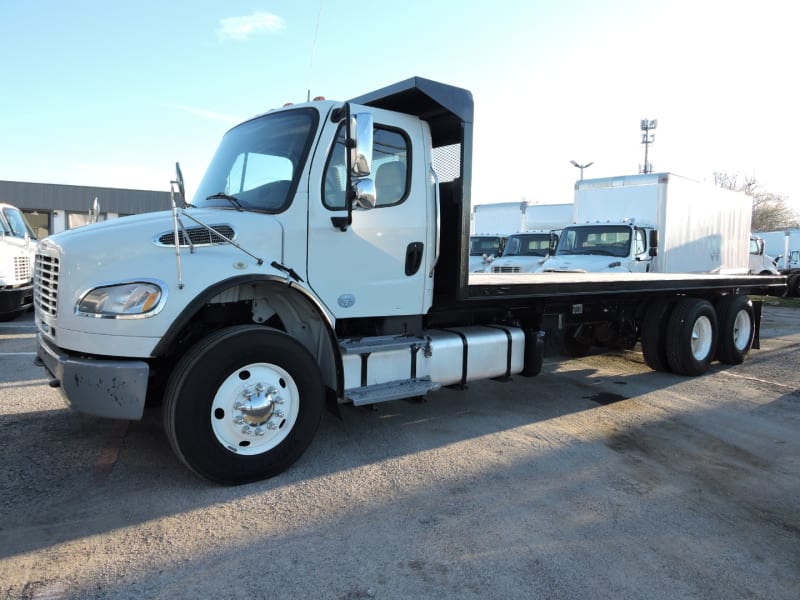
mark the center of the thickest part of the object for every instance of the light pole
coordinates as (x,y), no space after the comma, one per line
(581,167)
(647,138)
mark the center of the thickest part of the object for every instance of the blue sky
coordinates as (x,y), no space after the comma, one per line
(114,93)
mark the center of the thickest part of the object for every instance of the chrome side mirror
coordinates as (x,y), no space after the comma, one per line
(365,193)
(361,152)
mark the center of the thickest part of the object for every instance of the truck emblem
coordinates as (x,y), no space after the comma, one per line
(346,300)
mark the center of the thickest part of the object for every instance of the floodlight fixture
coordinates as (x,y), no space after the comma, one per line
(581,167)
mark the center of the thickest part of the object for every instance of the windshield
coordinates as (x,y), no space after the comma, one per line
(605,240)
(536,244)
(478,246)
(14,223)
(259,162)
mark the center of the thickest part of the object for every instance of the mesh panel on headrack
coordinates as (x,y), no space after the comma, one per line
(447,162)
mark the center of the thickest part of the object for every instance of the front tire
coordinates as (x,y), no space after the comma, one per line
(243,404)
(691,336)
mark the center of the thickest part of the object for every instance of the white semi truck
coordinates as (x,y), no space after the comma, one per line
(324,260)
(17,251)
(655,222)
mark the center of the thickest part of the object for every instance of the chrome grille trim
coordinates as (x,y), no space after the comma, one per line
(199,236)
(45,284)
(505,269)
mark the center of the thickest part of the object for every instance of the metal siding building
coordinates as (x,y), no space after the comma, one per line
(49,207)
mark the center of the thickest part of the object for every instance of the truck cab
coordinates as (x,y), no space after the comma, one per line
(760,262)
(525,252)
(483,249)
(602,247)
(17,252)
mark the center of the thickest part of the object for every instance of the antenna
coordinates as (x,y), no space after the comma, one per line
(313,48)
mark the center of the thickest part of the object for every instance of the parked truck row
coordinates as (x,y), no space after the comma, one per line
(324,260)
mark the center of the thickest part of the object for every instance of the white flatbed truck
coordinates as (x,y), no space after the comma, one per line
(324,260)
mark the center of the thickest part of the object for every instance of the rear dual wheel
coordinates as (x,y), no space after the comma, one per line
(691,336)
(686,335)
(737,328)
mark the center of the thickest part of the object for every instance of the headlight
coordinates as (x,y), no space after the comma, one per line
(119,301)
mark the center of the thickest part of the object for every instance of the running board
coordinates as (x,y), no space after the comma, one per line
(392,390)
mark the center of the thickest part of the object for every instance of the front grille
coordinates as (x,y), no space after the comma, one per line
(22,268)
(505,269)
(199,236)
(45,284)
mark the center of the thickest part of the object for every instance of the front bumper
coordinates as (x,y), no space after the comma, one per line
(16,299)
(109,388)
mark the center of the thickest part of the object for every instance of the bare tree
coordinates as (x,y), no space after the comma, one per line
(770,211)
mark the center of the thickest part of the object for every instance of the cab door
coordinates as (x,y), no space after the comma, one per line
(379,265)
(642,261)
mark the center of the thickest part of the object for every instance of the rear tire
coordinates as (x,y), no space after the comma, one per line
(736,329)
(691,337)
(654,335)
(243,404)
(793,286)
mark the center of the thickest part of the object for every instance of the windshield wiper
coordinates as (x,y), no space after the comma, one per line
(223,196)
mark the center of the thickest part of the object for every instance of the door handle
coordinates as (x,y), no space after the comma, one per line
(413,257)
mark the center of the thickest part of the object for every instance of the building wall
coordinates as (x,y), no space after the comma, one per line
(52,208)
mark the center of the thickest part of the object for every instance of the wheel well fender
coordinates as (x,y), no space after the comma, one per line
(267,298)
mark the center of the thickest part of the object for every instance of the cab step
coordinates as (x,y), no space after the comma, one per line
(392,390)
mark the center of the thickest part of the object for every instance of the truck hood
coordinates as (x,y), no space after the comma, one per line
(141,249)
(521,264)
(585,263)
(128,237)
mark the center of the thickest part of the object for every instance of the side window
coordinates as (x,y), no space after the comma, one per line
(641,245)
(389,169)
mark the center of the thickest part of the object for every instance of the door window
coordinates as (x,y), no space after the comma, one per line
(390,158)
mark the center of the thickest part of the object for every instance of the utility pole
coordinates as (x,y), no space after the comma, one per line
(648,138)
(581,167)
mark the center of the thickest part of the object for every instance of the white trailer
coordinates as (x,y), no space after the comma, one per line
(655,222)
(17,251)
(322,262)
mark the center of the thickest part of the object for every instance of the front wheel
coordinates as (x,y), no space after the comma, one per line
(243,404)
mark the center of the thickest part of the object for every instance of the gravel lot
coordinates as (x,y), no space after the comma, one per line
(597,479)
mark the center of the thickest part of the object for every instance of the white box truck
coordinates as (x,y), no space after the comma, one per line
(17,251)
(324,260)
(491,226)
(527,226)
(655,222)
(526,251)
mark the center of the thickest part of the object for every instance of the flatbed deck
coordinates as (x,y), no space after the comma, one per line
(572,285)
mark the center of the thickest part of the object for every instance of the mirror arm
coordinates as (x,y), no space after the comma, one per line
(342,223)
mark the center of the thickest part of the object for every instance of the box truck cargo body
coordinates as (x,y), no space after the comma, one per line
(655,222)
